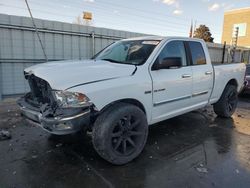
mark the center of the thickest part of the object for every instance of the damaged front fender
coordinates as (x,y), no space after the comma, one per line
(56,120)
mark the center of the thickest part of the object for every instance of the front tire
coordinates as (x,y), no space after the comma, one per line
(227,103)
(120,133)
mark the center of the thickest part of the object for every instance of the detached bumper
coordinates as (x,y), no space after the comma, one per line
(64,124)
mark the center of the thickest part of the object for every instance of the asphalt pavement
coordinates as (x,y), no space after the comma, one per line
(196,149)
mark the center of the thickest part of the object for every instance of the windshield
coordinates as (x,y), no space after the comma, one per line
(134,52)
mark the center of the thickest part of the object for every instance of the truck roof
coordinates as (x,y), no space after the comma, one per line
(162,38)
(146,38)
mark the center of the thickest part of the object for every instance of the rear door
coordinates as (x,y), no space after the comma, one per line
(172,88)
(202,73)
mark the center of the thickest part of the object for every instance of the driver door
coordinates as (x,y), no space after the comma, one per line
(172,87)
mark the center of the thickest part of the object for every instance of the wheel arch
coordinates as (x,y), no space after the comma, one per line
(233,82)
(128,101)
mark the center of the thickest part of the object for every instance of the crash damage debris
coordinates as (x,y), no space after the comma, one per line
(202,169)
(5,135)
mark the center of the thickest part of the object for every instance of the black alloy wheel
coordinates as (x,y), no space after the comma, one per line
(120,133)
(127,135)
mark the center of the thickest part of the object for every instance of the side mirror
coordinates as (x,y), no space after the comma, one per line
(168,63)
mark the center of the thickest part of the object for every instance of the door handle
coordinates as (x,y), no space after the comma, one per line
(186,76)
(208,73)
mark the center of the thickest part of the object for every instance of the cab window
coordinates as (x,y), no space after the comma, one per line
(197,53)
(173,49)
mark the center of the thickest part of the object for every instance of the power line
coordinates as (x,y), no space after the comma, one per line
(158,20)
(117,6)
(106,21)
(129,8)
(26,2)
(163,24)
(161,21)
(133,8)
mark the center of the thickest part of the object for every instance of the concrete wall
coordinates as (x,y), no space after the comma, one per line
(20,47)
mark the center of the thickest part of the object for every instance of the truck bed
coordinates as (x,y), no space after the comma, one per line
(223,73)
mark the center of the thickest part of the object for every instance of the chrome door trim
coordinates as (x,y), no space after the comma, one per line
(172,100)
(199,93)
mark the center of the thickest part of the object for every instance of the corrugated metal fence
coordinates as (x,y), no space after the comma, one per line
(20,47)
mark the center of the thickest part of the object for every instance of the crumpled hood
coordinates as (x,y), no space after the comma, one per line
(62,75)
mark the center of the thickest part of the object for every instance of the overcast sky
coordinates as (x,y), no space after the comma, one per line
(158,17)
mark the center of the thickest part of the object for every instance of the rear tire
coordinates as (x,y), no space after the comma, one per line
(227,103)
(120,133)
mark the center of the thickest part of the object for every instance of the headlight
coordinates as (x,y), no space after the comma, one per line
(71,99)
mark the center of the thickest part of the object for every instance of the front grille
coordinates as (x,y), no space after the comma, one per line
(40,90)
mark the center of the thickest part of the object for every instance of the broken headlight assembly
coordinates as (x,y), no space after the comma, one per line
(68,99)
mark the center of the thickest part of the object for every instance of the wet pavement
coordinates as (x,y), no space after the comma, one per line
(197,149)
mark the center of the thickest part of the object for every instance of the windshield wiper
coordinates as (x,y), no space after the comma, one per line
(113,61)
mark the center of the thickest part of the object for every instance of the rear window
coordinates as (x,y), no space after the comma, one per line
(197,53)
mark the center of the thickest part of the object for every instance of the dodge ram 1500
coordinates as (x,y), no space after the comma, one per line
(127,86)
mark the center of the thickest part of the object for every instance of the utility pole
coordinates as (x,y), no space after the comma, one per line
(195,22)
(191,30)
(39,38)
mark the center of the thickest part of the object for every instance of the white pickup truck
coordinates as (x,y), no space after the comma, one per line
(127,86)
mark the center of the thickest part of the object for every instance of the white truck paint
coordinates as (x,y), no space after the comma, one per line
(160,93)
(118,84)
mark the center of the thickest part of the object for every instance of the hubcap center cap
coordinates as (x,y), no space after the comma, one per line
(125,133)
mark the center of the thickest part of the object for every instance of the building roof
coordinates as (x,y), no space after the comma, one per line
(237,11)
